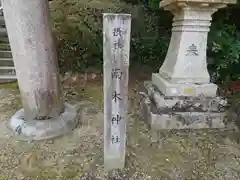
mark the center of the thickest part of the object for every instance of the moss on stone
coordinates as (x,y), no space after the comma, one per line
(10,85)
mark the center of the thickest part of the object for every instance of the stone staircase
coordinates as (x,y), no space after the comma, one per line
(7,69)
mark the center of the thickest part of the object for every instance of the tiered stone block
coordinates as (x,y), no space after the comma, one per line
(180,112)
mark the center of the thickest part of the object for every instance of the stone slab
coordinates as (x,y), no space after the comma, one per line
(157,118)
(183,89)
(44,129)
(166,104)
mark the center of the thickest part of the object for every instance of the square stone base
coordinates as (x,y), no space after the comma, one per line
(180,112)
(190,89)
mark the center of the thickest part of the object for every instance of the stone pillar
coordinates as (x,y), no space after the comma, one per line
(35,59)
(184,71)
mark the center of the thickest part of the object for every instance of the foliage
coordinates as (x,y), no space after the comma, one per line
(78,26)
(224,47)
(150,37)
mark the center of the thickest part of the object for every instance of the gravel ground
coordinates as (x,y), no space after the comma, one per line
(79,155)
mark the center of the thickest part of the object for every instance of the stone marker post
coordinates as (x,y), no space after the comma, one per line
(44,114)
(116,44)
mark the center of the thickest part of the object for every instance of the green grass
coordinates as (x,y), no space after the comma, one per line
(9,85)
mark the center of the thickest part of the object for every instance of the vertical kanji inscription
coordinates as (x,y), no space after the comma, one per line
(116,43)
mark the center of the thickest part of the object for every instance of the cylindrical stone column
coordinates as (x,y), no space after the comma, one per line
(35,56)
(44,115)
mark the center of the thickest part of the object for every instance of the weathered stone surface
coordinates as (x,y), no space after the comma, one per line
(116,43)
(35,56)
(161,112)
(201,103)
(183,89)
(184,70)
(44,129)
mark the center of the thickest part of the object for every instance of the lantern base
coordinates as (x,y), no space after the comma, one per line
(183,89)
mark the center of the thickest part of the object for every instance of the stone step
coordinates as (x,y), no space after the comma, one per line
(166,104)
(151,110)
(3,32)
(7,78)
(2,21)
(2,26)
(7,70)
(5,47)
(4,39)
(192,120)
(6,62)
(200,119)
(179,120)
(5,54)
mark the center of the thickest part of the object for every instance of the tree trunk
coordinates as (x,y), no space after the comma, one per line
(35,57)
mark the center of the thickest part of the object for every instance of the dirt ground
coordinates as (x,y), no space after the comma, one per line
(79,155)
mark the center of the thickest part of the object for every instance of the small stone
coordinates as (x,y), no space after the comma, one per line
(50,141)
(94,76)
(30,141)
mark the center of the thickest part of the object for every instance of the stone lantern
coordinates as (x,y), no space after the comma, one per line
(181,94)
